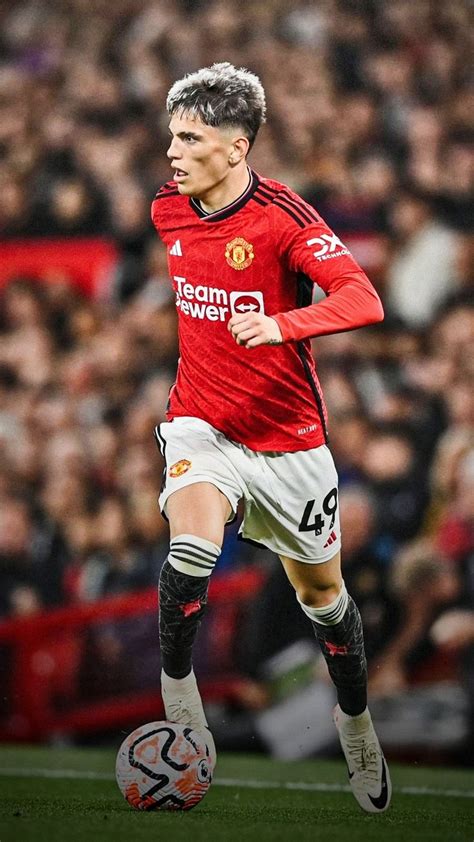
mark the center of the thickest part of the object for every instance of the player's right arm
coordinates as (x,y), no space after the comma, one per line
(160,207)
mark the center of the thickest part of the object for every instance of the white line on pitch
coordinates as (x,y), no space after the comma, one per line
(75,774)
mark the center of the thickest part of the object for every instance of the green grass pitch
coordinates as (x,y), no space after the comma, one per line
(70,795)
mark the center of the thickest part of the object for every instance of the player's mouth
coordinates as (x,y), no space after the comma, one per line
(179,174)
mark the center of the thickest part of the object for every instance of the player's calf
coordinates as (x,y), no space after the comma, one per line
(338,628)
(183,587)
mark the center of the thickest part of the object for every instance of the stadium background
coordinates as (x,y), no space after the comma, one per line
(370,118)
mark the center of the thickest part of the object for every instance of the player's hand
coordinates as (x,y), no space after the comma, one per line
(252,329)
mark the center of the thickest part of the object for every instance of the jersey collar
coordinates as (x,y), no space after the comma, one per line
(228,210)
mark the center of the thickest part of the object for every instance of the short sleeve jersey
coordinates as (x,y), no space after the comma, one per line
(261,254)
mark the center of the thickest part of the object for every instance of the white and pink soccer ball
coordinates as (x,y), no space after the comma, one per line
(165,766)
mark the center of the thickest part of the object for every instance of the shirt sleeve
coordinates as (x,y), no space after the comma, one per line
(160,208)
(312,249)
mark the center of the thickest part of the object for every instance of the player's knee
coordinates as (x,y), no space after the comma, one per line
(318,595)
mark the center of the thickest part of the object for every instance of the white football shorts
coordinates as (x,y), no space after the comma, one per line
(290,499)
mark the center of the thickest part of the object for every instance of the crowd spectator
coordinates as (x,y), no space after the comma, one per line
(422,270)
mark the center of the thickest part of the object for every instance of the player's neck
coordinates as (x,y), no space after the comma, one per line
(227,191)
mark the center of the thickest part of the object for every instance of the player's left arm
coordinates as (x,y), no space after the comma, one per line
(351,302)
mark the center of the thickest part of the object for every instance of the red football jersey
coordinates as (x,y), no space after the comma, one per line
(263,252)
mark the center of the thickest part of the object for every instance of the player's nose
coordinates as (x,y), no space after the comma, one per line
(173,150)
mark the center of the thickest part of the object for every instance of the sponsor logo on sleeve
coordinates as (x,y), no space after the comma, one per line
(329,246)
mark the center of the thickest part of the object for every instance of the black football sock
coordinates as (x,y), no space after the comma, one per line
(183,586)
(338,628)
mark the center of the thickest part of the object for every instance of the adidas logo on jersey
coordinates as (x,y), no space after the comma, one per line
(175,250)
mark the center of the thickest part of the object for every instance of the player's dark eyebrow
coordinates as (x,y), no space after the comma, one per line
(183,134)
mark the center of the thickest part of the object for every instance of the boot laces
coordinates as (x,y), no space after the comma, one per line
(178,711)
(183,711)
(365,759)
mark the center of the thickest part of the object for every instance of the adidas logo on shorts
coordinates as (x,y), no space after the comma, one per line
(330,540)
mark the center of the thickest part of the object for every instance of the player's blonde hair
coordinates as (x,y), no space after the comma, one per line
(221,95)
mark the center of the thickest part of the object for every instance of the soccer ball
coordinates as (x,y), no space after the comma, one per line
(164,766)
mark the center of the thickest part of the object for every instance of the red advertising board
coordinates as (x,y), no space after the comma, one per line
(87,263)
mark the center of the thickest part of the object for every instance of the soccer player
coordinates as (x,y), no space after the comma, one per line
(246,416)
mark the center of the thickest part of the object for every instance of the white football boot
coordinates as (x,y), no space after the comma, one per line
(368,771)
(183,704)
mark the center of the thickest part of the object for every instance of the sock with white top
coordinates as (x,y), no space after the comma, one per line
(183,587)
(338,628)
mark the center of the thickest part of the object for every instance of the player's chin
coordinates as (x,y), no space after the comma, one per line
(185,188)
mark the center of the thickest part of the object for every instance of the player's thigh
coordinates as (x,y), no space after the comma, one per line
(200,489)
(199,509)
(315,584)
(291,505)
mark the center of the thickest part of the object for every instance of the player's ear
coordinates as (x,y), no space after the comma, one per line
(239,150)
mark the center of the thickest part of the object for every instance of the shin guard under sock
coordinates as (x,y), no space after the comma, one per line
(183,587)
(338,628)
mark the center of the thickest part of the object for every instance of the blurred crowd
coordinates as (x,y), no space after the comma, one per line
(370,117)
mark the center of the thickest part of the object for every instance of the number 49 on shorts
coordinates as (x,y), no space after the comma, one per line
(318,523)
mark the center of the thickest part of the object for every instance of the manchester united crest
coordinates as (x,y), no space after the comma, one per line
(239,253)
(179,468)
